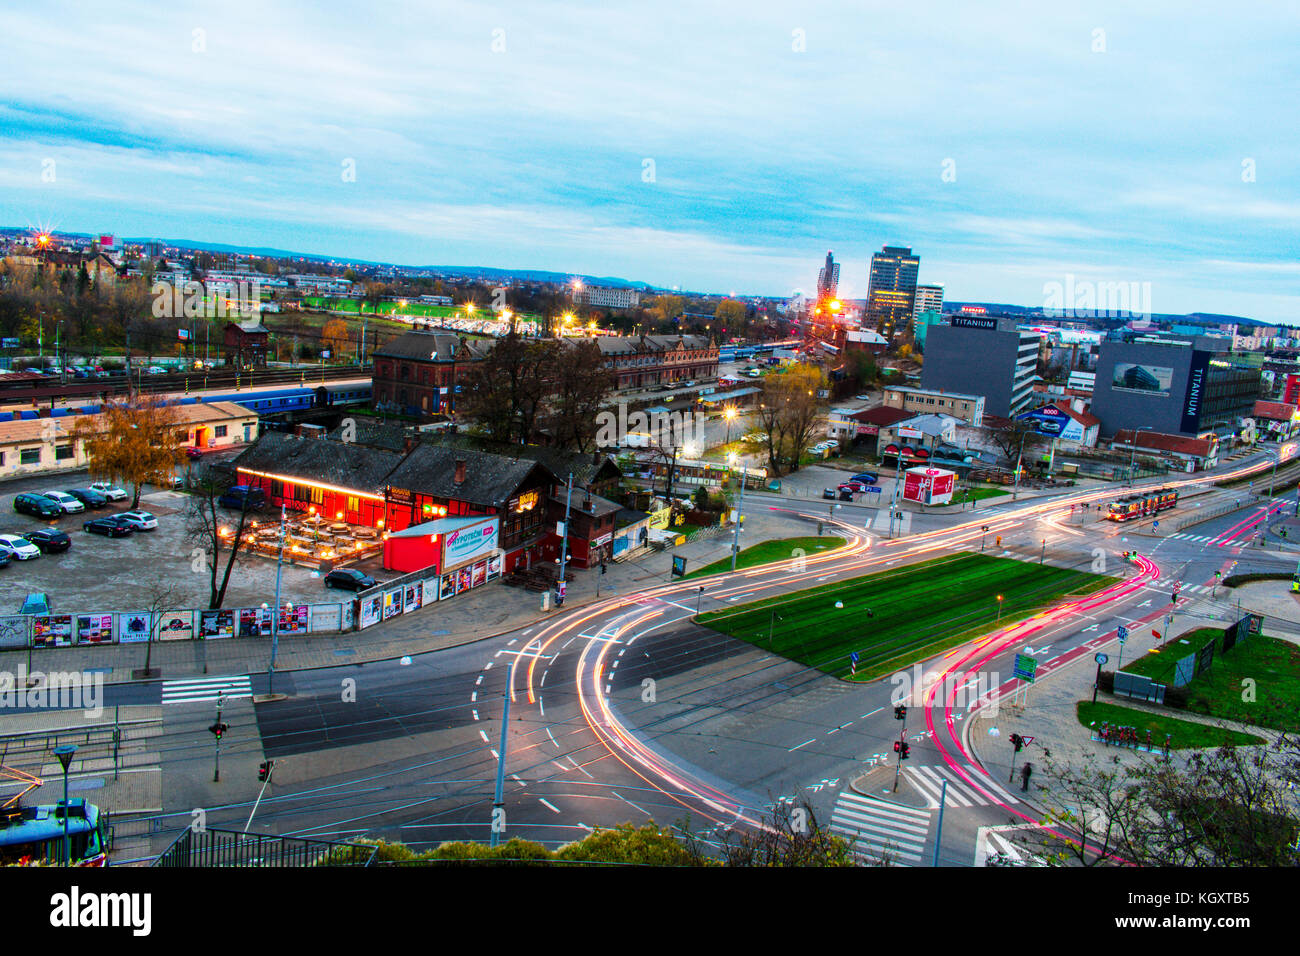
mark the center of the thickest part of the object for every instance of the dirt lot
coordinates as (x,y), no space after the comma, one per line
(115,574)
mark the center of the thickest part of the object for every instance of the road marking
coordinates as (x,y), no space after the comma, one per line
(804,744)
(205,689)
(552,736)
(629,802)
(484,735)
(475,713)
(877,827)
(549,805)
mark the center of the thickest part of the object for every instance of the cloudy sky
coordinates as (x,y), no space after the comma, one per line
(712,146)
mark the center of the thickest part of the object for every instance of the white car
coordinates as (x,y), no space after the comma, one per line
(109,491)
(139,520)
(19,548)
(65,501)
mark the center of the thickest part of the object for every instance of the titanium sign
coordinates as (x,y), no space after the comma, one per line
(1192,403)
(974,322)
(466,544)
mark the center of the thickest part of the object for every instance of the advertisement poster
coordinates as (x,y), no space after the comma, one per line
(465,544)
(448,586)
(324,617)
(463,578)
(133,627)
(392,603)
(13,631)
(176,625)
(412,599)
(371,610)
(495,564)
(1142,378)
(480,574)
(293,619)
(429,590)
(214,625)
(94,628)
(254,622)
(52,631)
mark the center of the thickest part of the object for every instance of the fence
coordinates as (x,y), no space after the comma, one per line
(22,631)
(218,848)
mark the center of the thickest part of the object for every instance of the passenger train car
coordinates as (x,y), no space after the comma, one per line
(1142,505)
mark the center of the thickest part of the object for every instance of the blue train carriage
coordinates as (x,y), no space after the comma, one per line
(343,395)
(271,401)
(32,836)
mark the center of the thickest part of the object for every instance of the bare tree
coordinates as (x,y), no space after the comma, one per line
(161,595)
(207,520)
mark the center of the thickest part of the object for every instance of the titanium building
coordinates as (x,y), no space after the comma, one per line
(891,295)
(1174,386)
(982,355)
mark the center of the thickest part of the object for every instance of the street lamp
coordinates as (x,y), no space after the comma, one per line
(64,752)
(729,413)
(1133,451)
(999,608)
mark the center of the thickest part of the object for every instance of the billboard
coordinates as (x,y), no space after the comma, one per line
(214,625)
(929,486)
(94,628)
(470,543)
(1132,377)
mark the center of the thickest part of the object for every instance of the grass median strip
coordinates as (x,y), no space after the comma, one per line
(894,618)
(766,552)
(1183,734)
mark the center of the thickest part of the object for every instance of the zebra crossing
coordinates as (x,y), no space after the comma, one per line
(206,688)
(961,793)
(877,828)
(1197,538)
(1167,584)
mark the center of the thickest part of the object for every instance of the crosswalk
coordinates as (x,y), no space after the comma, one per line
(961,793)
(206,688)
(1167,584)
(878,828)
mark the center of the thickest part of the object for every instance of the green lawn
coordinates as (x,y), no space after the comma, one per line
(895,618)
(973,494)
(780,549)
(1262,667)
(393,308)
(1184,734)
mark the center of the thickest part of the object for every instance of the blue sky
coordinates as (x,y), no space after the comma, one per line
(522,136)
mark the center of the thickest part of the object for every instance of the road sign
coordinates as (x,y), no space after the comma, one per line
(1122,633)
(854,655)
(679,567)
(873,491)
(1026,740)
(1025,667)
(1101,658)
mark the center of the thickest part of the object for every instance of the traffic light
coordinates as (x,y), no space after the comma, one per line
(264,770)
(905,752)
(900,712)
(218,729)
(898,747)
(1017,741)
(998,541)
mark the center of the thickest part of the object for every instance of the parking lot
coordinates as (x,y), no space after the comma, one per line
(102,573)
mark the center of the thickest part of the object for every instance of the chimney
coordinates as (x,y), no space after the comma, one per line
(408,444)
(460,471)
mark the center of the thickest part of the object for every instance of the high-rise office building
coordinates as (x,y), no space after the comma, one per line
(891,296)
(929,298)
(828,279)
(982,355)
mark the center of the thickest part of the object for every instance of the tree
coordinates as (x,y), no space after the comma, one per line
(334,337)
(505,391)
(161,596)
(1012,436)
(1226,807)
(133,442)
(791,836)
(217,537)
(790,413)
(730,317)
(580,383)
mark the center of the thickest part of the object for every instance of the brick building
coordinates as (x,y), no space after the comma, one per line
(417,373)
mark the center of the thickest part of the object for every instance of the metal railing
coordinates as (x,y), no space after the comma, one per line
(230,848)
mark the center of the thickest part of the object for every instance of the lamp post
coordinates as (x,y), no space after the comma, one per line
(740,514)
(730,416)
(999,608)
(1132,455)
(275,616)
(64,752)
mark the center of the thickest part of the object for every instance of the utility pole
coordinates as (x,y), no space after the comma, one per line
(938,833)
(564,542)
(498,800)
(740,514)
(275,613)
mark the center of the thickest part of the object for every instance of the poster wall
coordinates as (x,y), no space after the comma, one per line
(53,630)
(254,622)
(13,631)
(94,628)
(372,609)
(176,625)
(411,600)
(214,625)
(293,619)
(133,627)
(392,603)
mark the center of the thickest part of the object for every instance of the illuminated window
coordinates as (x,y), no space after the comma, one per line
(354,504)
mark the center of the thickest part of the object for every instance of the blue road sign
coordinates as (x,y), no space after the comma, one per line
(873,491)
(854,655)
(1122,633)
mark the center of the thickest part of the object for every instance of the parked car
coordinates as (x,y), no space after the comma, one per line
(349,579)
(49,540)
(67,504)
(828,493)
(38,602)
(38,506)
(192,452)
(857,487)
(139,520)
(19,547)
(867,478)
(109,491)
(108,525)
(243,498)
(89,497)
(845,494)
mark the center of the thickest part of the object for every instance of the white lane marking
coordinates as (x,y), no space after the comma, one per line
(549,805)
(629,802)
(484,735)
(804,744)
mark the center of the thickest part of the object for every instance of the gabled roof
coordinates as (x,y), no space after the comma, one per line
(490,480)
(1158,441)
(1274,411)
(433,347)
(882,416)
(344,464)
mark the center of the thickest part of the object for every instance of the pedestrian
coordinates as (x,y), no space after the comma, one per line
(1025,774)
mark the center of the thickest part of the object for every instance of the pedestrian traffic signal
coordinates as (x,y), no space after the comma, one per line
(898,747)
(1017,741)
(264,770)
(900,712)
(218,729)
(905,752)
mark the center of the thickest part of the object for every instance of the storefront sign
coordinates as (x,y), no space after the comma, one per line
(466,544)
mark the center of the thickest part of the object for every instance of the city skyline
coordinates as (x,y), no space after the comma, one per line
(565,141)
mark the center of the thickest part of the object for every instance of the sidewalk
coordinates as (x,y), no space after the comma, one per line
(480,615)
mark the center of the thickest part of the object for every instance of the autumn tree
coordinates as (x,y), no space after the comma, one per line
(579,383)
(730,317)
(505,391)
(334,337)
(132,442)
(790,413)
